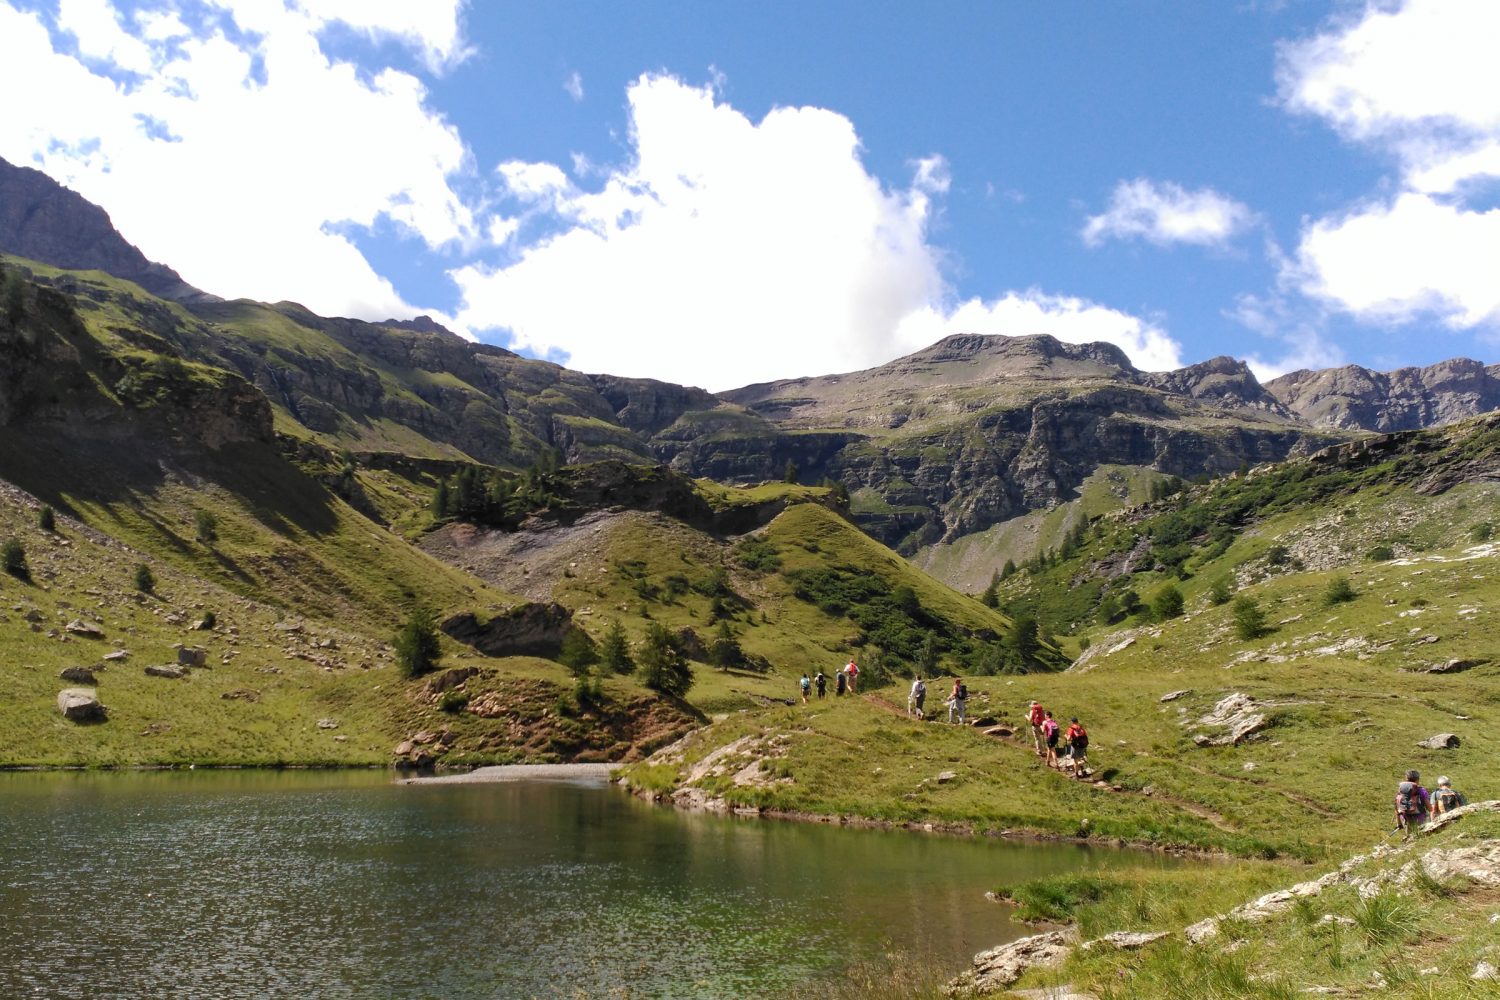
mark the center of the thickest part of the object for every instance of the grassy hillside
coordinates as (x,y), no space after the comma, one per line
(1336,680)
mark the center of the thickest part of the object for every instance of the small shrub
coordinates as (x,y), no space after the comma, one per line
(453,701)
(46,518)
(1278,555)
(1167,603)
(1339,592)
(208,527)
(145,580)
(210,620)
(1381,553)
(13,558)
(416,642)
(1249,619)
(757,554)
(1482,532)
(1220,593)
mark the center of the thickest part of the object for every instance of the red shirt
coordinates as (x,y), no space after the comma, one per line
(1038,713)
(1075,731)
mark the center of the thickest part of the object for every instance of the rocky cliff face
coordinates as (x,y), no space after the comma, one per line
(43,221)
(1406,399)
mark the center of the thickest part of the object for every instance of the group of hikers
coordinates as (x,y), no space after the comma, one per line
(1415,805)
(845,680)
(957,700)
(1046,734)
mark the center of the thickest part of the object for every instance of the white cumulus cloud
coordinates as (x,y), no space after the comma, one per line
(1164,213)
(1418,81)
(727,251)
(238,160)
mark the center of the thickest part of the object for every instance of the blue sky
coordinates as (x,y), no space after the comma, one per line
(724,193)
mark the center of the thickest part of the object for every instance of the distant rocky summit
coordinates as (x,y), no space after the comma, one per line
(1407,399)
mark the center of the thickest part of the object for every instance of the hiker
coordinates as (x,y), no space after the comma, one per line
(852,669)
(1078,745)
(1411,804)
(1036,716)
(821,681)
(915,699)
(958,700)
(1445,799)
(806,687)
(840,682)
(1050,731)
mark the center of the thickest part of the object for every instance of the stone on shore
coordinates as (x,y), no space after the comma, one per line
(998,968)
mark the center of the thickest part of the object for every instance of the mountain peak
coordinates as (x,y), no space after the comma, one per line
(43,221)
(1026,354)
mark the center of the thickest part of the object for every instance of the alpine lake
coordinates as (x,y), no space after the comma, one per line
(231,884)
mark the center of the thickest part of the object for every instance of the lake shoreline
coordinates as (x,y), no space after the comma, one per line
(952,829)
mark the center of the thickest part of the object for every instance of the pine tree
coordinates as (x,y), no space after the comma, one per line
(577,653)
(725,651)
(46,518)
(145,580)
(440,499)
(791,473)
(13,558)
(207,525)
(991,596)
(1249,620)
(614,652)
(1008,570)
(1023,642)
(661,664)
(416,642)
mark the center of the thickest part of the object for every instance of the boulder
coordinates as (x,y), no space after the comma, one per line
(1441,741)
(116,656)
(80,705)
(169,672)
(192,656)
(946,777)
(449,679)
(1174,695)
(1452,666)
(1239,716)
(83,629)
(998,968)
(79,675)
(328,724)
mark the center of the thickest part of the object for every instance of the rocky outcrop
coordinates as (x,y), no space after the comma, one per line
(1406,399)
(998,968)
(524,630)
(43,221)
(1225,381)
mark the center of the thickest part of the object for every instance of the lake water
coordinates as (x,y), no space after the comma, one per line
(344,884)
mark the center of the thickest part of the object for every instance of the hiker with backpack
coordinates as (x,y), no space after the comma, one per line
(852,669)
(821,682)
(1050,732)
(1411,804)
(805,686)
(958,700)
(1036,716)
(840,682)
(1445,799)
(915,699)
(1078,746)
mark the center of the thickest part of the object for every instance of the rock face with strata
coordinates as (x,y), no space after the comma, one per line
(525,630)
(1236,718)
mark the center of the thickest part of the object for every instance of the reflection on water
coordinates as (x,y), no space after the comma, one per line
(257,884)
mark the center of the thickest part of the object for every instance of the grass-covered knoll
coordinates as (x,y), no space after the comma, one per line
(1409,921)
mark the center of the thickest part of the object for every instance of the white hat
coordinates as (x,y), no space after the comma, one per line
(1444,780)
